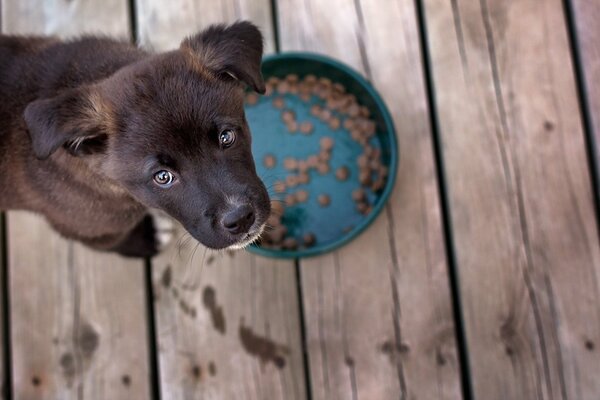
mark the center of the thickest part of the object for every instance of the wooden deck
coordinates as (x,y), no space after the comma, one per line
(481,280)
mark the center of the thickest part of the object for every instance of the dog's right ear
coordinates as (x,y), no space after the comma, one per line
(75,118)
(233,51)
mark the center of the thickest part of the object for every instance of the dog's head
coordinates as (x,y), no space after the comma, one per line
(171,130)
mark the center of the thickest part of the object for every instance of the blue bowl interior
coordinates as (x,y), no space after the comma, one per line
(339,222)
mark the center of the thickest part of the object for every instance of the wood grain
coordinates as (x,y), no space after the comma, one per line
(78,317)
(520,197)
(378,315)
(228,323)
(587,14)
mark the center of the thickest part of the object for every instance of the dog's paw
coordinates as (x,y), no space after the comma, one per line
(149,237)
(164,229)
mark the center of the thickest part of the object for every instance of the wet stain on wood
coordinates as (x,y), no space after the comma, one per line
(87,340)
(210,260)
(187,308)
(393,350)
(263,348)
(209,298)
(36,381)
(167,277)
(126,380)
(589,345)
(67,366)
(197,372)
(212,369)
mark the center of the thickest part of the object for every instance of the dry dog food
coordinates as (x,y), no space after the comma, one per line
(339,112)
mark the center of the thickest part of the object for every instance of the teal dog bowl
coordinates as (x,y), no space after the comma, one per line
(339,222)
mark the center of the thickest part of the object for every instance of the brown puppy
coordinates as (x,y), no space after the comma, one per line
(95,132)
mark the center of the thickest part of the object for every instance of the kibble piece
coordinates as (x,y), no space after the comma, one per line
(306,127)
(378,184)
(292,78)
(291,181)
(283,87)
(290,243)
(356,134)
(277,234)
(309,239)
(310,78)
(277,207)
(348,123)
(323,168)
(278,102)
(313,161)
(274,220)
(383,170)
(362,207)
(288,116)
(279,187)
(325,114)
(290,200)
(364,177)
(324,156)
(291,164)
(338,87)
(354,110)
(315,110)
(269,161)
(273,80)
(303,178)
(304,96)
(326,143)
(342,173)
(334,123)
(325,81)
(375,164)
(324,200)
(292,126)
(358,194)
(362,161)
(301,196)
(251,99)
(364,112)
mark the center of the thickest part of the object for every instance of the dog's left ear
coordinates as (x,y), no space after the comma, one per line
(76,119)
(233,51)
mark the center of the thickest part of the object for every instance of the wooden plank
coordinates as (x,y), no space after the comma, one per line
(587,15)
(78,317)
(378,312)
(228,323)
(520,197)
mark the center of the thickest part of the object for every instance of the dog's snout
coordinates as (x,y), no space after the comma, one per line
(239,219)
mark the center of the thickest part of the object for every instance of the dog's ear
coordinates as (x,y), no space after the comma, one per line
(230,51)
(75,119)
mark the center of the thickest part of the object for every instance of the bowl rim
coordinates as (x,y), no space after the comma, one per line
(393,164)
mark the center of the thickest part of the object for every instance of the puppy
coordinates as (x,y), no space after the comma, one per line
(95,132)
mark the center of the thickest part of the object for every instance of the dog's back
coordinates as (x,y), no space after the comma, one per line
(34,67)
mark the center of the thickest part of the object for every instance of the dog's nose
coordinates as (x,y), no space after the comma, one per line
(239,219)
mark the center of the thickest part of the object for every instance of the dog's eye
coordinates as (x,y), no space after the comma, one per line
(226,138)
(164,178)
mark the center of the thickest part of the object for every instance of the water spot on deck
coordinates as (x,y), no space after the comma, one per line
(589,345)
(212,369)
(197,372)
(264,348)
(210,259)
(349,361)
(87,340)
(167,277)
(393,350)
(209,298)
(126,380)
(36,381)
(67,365)
(548,125)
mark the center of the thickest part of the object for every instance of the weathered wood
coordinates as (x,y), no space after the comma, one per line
(520,197)
(587,14)
(378,315)
(228,323)
(78,317)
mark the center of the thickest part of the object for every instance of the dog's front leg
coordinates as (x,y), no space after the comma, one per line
(150,236)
